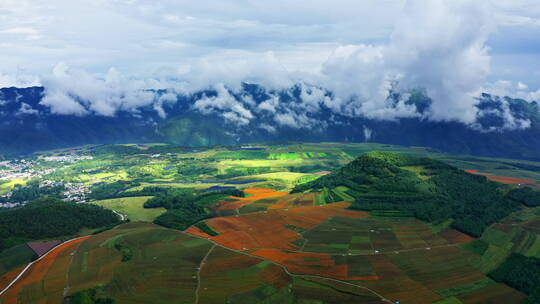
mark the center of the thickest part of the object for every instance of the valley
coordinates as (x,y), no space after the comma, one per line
(275,223)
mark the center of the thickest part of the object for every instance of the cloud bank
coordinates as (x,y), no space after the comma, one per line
(344,58)
(437,45)
(72,91)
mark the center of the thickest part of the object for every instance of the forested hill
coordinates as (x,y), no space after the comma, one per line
(427,189)
(50,218)
(298,113)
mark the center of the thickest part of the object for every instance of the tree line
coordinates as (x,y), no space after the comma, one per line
(521,273)
(50,218)
(187,206)
(32,191)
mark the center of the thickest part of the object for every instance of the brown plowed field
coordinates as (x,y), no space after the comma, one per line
(276,229)
(311,263)
(6,279)
(293,201)
(503,179)
(255,194)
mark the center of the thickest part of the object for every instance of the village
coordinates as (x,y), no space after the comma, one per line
(20,171)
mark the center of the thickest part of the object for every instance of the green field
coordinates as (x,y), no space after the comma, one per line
(132,207)
(289,178)
(8,186)
(365,235)
(518,233)
(15,257)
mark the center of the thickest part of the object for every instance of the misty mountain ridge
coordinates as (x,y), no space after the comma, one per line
(503,127)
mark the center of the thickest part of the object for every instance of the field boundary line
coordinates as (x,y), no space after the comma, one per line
(286,269)
(66,289)
(308,230)
(379,252)
(33,262)
(199,272)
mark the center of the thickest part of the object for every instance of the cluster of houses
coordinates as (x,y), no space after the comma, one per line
(70,158)
(9,205)
(19,170)
(76,192)
(23,169)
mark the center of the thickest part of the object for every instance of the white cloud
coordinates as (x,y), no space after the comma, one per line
(269,105)
(522,86)
(231,68)
(140,36)
(26,109)
(18,80)
(367,133)
(20,30)
(297,120)
(448,57)
(534,96)
(61,103)
(517,12)
(356,49)
(438,45)
(231,109)
(512,89)
(72,91)
(510,122)
(268,128)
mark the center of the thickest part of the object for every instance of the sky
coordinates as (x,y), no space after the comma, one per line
(357,49)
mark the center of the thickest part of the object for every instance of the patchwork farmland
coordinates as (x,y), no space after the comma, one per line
(403,260)
(270,246)
(276,255)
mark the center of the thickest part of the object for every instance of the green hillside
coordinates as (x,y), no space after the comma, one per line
(427,189)
(194,130)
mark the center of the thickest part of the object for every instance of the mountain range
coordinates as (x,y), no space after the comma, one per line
(203,118)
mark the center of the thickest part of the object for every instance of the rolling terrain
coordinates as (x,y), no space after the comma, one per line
(289,223)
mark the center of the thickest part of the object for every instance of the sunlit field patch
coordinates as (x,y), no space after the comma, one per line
(6,187)
(132,207)
(287,177)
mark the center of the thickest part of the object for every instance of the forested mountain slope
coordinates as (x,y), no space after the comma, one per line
(208,118)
